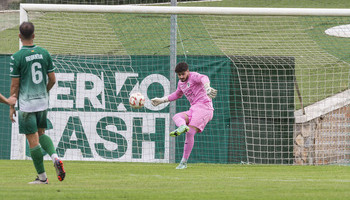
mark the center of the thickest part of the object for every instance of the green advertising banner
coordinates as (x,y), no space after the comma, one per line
(90,117)
(5,123)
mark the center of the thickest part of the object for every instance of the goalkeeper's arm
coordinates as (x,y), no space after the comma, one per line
(156,101)
(211,92)
(172,97)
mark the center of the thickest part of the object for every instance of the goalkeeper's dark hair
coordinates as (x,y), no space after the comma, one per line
(181,67)
(26,29)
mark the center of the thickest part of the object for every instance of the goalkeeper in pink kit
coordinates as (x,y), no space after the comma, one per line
(196,88)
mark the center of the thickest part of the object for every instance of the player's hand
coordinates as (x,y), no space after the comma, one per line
(211,92)
(12,100)
(156,101)
(12,113)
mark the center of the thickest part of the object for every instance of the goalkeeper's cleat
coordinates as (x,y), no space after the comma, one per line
(182,129)
(38,181)
(59,169)
(182,165)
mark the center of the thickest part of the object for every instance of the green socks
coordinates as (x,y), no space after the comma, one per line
(46,143)
(37,154)
(37,157)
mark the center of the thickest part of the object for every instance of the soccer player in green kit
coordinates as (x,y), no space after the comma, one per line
(30,68)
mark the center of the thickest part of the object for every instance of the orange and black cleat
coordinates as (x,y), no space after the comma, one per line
(59,169)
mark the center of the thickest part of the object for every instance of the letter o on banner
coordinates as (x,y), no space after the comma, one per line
(146,82)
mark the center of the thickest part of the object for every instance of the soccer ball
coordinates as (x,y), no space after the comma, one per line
(137,100)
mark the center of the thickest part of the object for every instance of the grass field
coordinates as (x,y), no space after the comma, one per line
(102,180)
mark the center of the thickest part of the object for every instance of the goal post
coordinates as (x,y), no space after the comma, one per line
(186,10)
(253,56)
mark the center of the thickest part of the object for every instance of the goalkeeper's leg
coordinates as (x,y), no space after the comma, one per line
(180,119)
(188,146)
(199,116)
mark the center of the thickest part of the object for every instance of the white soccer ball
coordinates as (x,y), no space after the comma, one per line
(137,100)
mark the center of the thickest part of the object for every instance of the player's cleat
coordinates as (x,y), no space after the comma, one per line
(182,129)
(182,165)
(38,181)
(59,169)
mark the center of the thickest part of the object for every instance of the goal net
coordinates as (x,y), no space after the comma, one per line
(282,77)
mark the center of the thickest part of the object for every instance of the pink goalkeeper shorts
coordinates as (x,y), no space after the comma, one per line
(199,115)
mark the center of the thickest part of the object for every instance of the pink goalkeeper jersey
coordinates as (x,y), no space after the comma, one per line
(193,89)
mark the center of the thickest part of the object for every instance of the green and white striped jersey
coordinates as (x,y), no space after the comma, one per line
(32,64)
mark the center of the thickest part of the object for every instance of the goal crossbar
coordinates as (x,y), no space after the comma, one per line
(186,10)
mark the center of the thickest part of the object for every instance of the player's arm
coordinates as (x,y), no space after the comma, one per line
(14,93)
(172,97)
(14,87)
(51,82)
(3,99)
(50,73)
(10,101)
(211,92)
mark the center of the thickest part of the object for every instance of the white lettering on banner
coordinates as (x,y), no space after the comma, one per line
(109,135)
(91,94)
(120,80)
(155,78)
(89,122)
(99,89)
(57,90)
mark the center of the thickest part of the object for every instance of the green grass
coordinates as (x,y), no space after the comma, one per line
(103,180)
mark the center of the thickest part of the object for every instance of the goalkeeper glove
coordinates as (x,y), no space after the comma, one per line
(211,92)
(156,101)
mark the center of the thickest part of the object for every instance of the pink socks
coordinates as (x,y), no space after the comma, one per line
(189,142)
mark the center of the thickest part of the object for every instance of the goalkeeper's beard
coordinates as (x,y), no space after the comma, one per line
(184,79)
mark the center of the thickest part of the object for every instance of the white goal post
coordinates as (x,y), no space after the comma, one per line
(186,10)
(271,66)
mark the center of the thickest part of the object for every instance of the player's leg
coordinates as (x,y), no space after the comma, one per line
(47,144)
(37,157)
(27,125)
(188,146)
(44,140)
(199,116)
(181,120)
